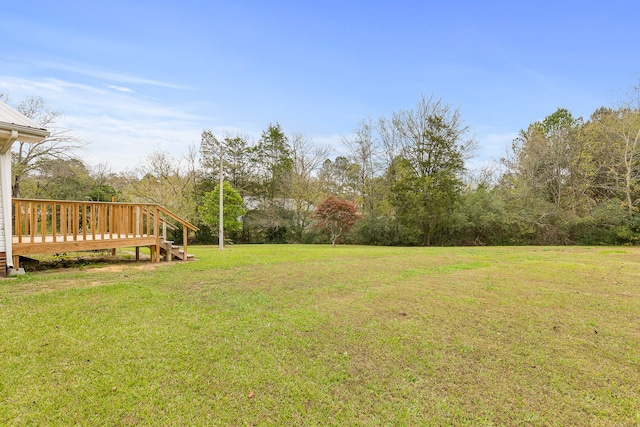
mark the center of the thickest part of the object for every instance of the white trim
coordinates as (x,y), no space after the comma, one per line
(11,132)
(5,181)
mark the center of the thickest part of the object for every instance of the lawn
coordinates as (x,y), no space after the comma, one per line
(316,336)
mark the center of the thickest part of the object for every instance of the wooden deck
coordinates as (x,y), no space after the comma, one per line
(52,226)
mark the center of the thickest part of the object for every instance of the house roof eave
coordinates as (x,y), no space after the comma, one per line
(25,133)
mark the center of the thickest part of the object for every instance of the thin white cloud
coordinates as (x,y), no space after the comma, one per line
(120,126)
(13,84)
(120,88)
(68,96)
(124,143)
(110,75)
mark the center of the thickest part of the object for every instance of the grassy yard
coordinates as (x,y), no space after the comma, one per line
(314,335)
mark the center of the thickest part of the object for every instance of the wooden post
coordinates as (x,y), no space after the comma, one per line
(114,199)
(138,231)
(63,222)
(18,225)
(76,222)
(84,221)
(32,219)
(43,220)
(185,232)
(54,221)
(94,215)
(156,226)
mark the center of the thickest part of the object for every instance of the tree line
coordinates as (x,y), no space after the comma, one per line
(564,180)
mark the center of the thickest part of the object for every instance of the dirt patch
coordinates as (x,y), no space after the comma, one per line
(121,266)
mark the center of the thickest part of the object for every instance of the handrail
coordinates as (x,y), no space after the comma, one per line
(148,205)
(177,218)
(168,225)
(92,202)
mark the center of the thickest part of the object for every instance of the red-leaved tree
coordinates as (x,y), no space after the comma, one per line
(336,216)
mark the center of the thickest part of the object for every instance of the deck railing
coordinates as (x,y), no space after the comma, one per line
(41,226)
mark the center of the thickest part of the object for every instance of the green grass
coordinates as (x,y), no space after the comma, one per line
(314,335)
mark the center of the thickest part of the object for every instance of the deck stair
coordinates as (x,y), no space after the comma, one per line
(170,251)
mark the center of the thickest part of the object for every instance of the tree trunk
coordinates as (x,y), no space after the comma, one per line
(15,188)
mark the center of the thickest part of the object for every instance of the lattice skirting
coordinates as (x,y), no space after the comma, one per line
(3,264)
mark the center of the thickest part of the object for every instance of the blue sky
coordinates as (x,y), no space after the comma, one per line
(135,76)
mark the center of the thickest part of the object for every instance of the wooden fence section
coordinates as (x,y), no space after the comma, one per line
(52,226)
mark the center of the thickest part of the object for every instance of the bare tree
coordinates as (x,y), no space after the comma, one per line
(304,188)
(60,145)
(390,137)
(621,129)
(307,157)
(164,180)
(364,152)
(633,97)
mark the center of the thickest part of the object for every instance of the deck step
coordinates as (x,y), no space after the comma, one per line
(170,251)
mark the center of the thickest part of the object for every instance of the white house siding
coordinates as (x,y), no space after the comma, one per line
(3,172)
(3,244)
(6,243)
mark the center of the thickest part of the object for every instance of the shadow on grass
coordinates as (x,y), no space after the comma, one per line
(87,259)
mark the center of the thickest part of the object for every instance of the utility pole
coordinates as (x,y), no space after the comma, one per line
(221,234)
